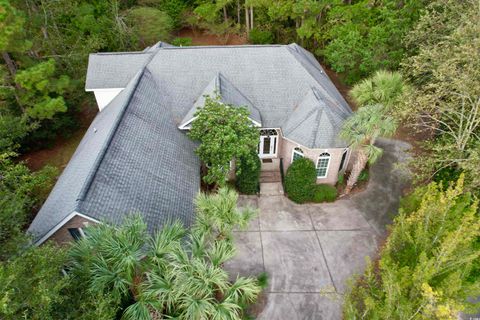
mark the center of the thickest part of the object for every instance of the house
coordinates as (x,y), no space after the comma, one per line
(136,157)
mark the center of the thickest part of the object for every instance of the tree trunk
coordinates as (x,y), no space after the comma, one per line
(359,164)
(225,15)
(238,12)
(13,71)
(10,64)
(247,22)
(251,17)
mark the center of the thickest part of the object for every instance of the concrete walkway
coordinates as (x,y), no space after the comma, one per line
(310,251)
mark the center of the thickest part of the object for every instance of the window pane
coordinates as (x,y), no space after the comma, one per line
(322,165)
(266,145)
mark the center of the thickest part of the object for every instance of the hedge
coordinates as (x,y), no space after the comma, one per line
(300,180)
(248,174)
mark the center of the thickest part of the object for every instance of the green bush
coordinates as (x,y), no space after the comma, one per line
(324,193)
(257,36)
(182,42)
(248,174)
(363,176)
(300,180)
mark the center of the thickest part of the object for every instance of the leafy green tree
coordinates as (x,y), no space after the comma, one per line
(225,133)
(172,274)
(445,102)
(150,25)
(31,284)
(430,264)
(42,93)
(360,132)
(364,37)
(20,191)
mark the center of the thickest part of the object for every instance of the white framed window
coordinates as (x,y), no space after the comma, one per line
(297,153)
(343,162)
(323,163)
(76,233)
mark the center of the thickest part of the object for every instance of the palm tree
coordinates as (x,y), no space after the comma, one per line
(360,132)
(219,213)
(384,87)
(175,274)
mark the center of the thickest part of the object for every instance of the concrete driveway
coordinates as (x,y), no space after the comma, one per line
(310,251)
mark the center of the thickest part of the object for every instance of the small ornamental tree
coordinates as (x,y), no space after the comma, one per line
(225,133)
(430,264)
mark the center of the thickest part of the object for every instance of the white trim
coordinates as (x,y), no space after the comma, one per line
(273,146)
(61,224)
(302,154)
(347,157)
(328,164)
(103,89)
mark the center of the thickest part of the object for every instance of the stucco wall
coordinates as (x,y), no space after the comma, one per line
(313,154)
(62,236)
(104,96)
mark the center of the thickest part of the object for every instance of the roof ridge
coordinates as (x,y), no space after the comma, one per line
(227,46)
(105,147)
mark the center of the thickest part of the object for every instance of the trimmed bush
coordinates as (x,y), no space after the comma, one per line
(300,180)
(324,193)
(257,36)
(248,174)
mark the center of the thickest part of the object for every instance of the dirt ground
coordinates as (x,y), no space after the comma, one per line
(201,38)
(63,149)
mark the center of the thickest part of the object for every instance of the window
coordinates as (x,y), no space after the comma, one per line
(343,162)
(76,233)
(297,154)
(322,165)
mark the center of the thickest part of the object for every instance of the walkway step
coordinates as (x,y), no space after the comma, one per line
(270,176)
(271,189)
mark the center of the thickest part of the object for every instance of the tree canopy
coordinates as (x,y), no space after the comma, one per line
(225,133)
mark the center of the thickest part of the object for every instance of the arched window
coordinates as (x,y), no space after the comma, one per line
(322,165)
(297,153)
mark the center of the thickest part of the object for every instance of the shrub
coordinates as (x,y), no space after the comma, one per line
(324,193)
(182,42)
(248,174)
(258,36)
(300,180)
(363,176)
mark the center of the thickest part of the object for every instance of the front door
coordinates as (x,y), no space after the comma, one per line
(267,148)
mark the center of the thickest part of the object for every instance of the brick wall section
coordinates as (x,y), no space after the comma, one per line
(313,154)
(62,236)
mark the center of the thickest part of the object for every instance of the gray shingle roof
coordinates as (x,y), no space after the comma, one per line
(149,167)
(133,159)
(114,70)
(63,198)
(227,93)
(315,122)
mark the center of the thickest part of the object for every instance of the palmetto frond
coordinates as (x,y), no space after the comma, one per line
(220,252)
(197,308)
(166,241)
(366,125)
(243,290)
(137,311)
(384,87)
(227,310)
